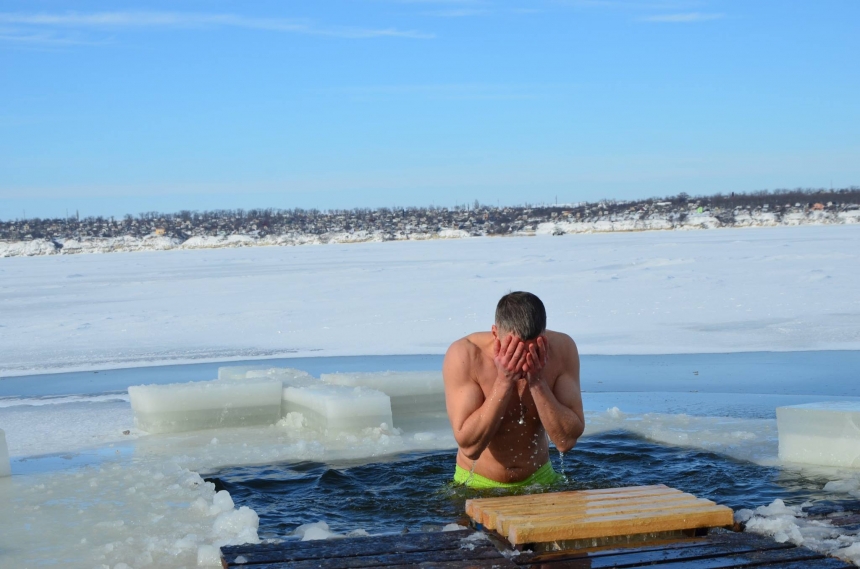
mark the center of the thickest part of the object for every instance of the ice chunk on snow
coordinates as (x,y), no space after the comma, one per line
(417,397)
(5,469)
(827,434)
(205,404)
(338,408)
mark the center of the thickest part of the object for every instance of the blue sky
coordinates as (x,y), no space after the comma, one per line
(123,107)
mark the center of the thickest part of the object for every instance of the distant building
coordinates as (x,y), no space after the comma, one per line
(159,231)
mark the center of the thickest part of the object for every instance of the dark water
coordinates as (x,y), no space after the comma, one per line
(414,491)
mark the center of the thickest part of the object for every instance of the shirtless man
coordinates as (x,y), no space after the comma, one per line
(509,389)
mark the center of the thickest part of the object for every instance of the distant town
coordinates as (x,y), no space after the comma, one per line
(236,228)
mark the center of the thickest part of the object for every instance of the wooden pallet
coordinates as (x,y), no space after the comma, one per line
(468,549)
(590,514)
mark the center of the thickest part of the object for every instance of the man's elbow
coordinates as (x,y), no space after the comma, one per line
(570,440)
(472,452)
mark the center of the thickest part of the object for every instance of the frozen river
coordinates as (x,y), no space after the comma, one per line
(752,319)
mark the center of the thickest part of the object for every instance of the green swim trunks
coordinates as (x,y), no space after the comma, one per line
(544,476)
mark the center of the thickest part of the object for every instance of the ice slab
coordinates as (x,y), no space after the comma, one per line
(335,408)
(417,397)
(197,405)
(826,434)
(5,469)
(288,376)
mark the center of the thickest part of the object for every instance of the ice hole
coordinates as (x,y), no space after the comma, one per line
(205,405)
(336,408)
(5,468)
(826,434)
(417,397)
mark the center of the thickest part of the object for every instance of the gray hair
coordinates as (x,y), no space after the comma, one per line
(522,314)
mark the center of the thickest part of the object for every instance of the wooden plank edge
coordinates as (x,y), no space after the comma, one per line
(504,522)
(491,518)
(611,526)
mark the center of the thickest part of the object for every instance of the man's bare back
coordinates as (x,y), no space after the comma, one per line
(505,396)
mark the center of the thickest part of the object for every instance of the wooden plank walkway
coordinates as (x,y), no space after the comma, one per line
(588,514)
(659,527)
(470,549)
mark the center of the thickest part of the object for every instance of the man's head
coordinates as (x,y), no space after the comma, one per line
(521,314)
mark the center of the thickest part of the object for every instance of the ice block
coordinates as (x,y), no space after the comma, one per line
(205,405)
(417,397)
(289,376)
(334,408)
(5,469)
(826,434)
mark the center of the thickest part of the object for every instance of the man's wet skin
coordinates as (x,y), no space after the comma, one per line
(506,367)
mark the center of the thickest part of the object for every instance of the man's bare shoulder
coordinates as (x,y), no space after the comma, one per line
(463,354)
(560,340)
(467,347)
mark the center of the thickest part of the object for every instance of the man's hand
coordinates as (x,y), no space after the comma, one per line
(510,357)
(536,358)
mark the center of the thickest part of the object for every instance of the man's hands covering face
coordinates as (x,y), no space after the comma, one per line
(516,359)
(536,358)
(511,357)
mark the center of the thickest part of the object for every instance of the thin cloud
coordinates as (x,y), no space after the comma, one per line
(130,20)
(687,18)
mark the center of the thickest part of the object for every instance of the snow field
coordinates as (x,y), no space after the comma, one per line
(774,289)
(820,433)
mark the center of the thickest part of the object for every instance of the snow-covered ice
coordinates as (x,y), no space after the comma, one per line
(335,408)
(114,495)
(416,397)
(789,288)
(205,405)
(143,514)
(820,433)
(5,468)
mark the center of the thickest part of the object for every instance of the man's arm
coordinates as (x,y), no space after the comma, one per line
(560,408)
(476,419)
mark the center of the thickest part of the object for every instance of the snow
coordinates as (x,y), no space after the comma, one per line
(5,469)
(784,288)
(205,405)
(140,513)
(334,408)
(820,433)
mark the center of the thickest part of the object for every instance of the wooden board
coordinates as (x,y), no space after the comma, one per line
(587,514)
(720,549)
(452,549)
